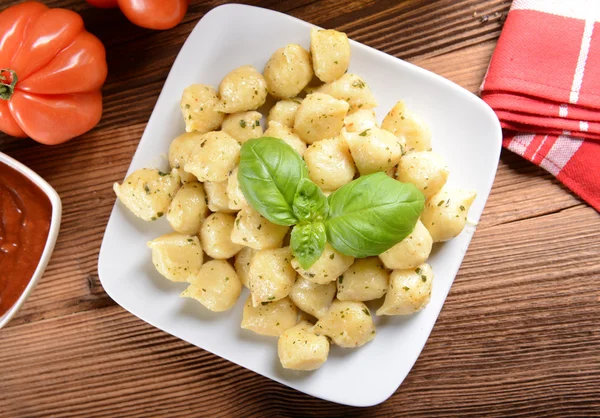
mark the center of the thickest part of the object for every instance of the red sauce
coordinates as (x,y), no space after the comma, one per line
(25,215)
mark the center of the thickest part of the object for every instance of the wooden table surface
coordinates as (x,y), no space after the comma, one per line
(518,335)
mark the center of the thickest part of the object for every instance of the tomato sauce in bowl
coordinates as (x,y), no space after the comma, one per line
(25,218)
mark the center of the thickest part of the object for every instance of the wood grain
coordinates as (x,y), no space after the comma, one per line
(518,335)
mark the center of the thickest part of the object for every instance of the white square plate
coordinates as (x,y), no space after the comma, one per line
(465,131)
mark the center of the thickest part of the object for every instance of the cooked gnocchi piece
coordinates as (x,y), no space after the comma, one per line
(445,213)
(253,230)
(300,349)
(348,324)
(277,130)
(188,209)
(327,268)
(409,291)
(243,126)
(425,169)
(329,163)
(216,286)
(352,89)
(411,251)
(180,152)
(218,154)
(200,108)
(319,116)
(215,235)
(236,198)
(269,318)
(360,120)
(284,112)
(216,195)
(242,89)
(330,52)
(177,257)
(242,264)
(366,279)
(311,297)
(404,123)
(270,276)
(374,150)
(288,71)
(148,192)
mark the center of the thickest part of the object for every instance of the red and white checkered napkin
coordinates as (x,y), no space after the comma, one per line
(543,82)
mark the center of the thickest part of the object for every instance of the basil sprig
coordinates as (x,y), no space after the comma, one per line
(362,218)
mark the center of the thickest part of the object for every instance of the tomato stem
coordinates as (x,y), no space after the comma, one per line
(7,90)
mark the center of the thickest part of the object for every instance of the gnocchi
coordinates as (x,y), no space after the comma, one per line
(253,230)
(200,108)
(366,279)
(284,112)
(445,213)
(320,116)
(348,324)
(242,264)
(411,251)
(243,126)
(409,291)
(147,193)
(425,169)
(215,235)
(269,318)
(312,298)
(216,156)
(177,257)
(300,349)
(329,163)
(242,89)
(180,152)
(216,286)
(216,196)
(288,71)
(330,52)
(352,89)
(270,275)
(235,197)
(406,124)
(374,150)
(327,268)
(360,120)
(188,209)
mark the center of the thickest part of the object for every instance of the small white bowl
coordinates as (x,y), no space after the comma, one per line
(52,233)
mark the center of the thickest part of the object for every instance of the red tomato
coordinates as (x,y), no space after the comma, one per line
(104,4)
(154,14)
(52,72)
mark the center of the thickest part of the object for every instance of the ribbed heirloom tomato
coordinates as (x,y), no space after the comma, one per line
(51,72)
(151,14)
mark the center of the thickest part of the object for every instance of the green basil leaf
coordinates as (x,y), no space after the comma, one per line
(269,173)
(308,242)
(310,204)
(372,214)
